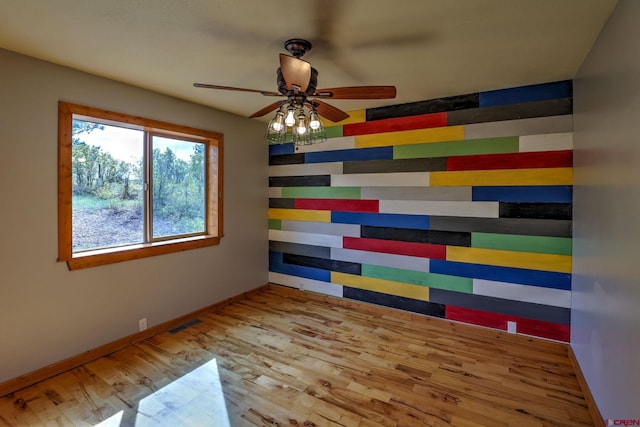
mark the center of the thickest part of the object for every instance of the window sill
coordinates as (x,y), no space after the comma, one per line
(127,253)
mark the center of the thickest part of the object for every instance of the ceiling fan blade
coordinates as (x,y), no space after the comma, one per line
(329,111)
(357,92)
(295,72)
(269,108)
(238,89)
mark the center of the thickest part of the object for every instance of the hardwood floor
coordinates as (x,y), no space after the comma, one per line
(287,358)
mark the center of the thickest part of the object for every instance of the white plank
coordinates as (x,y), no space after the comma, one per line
(385,260)
(524,293)
(306,284)
(351,230)
(441,208)
(306,238)
(546,142)
(339,143)
(416,193)
(396,179)
(306,169)
(275,192)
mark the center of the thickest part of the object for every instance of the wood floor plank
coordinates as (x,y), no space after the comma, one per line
(283,357)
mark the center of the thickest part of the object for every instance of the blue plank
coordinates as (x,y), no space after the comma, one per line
(539,92)
(280,149)
(420,222)
(546,279)
(276,265)
(352,154)
(537,193)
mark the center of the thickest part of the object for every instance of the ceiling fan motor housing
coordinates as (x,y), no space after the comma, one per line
(311,88)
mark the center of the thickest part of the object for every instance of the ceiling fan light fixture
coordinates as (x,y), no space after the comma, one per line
(316,136)
(277,123)
(296,122)
(273,137)
(277,130)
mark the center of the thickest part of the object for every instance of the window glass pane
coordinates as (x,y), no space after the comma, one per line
(107,186)
(178,199)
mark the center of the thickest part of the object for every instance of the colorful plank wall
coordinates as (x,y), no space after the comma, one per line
(458,208)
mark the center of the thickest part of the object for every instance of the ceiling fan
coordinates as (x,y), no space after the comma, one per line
(297,82)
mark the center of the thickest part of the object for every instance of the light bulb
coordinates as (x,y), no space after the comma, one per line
(290,120)
(277,124)
(314,120)
(301,127)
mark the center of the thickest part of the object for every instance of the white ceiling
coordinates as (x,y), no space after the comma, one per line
(427,48)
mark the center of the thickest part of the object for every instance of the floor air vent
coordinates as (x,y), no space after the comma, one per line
(184,326)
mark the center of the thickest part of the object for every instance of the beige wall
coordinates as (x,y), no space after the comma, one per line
(48,313)
(605,323)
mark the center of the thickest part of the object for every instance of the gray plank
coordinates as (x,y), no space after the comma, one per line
(524,226)
(416,193)
(352,230)
(538,125)
(525,110)
(298,249)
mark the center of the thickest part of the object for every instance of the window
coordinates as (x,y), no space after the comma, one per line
(130,187)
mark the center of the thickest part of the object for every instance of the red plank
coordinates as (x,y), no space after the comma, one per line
(347,205)
(554,331)
(540,159)
(424,250)
(476,317)
(422,121)
(538,328)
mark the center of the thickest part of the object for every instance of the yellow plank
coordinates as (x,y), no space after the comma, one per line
(528,260)
(380,285)
(405,137)
(546,176)
(300,215)
(356,116)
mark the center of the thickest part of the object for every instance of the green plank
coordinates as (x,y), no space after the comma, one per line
(519,243)
(275,224)
(333,131)
(432,280)
(321,192)
(507,144)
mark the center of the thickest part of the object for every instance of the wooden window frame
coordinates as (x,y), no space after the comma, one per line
(93,258)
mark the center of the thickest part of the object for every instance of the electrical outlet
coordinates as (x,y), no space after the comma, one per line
(142,324)
(512,327)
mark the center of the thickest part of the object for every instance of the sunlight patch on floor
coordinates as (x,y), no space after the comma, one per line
(195,399)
